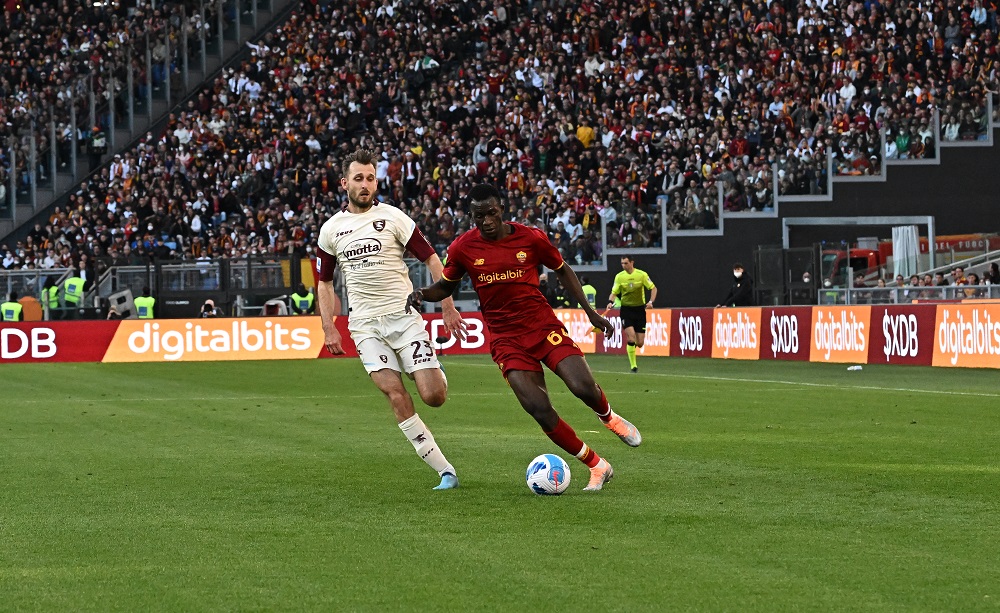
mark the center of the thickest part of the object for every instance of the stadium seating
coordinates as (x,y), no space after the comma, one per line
(628,112)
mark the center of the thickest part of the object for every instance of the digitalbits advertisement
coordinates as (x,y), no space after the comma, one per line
(840,334)
(736,335)
(967,335)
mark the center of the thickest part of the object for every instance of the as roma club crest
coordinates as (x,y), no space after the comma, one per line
(379,225)
(521,256)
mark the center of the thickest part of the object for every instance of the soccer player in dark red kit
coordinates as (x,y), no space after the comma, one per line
(503,259)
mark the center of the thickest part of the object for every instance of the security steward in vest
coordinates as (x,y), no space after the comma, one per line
(589,291)
(145,305)
(12,309)
(73,293)
(303,302)
(50,298)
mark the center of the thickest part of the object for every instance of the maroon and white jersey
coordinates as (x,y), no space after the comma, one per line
(369,248)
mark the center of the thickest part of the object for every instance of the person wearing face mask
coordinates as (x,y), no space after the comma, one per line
(741,292)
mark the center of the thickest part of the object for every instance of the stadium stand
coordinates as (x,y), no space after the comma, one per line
(625,112)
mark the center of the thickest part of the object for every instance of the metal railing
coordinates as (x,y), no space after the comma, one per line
(907,295)
(115,102)
(29,282)
(967,263)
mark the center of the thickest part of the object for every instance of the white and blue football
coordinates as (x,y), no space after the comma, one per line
(548,475)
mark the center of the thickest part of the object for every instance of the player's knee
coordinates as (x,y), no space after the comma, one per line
(435,397)
(539,410)
(584,390)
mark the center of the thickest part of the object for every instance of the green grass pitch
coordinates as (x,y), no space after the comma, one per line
(268,486)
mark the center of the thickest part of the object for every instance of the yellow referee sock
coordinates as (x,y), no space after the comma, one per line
(630,349)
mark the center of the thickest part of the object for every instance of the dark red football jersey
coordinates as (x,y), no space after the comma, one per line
(505,275)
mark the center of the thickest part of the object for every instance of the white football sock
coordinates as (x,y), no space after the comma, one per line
(423,442)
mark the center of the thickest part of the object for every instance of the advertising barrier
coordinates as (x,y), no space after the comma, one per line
(967,335)
(691,335)
(902,335)
(952,335)
(736,335)
(840,334)
(786,333)
(56,341)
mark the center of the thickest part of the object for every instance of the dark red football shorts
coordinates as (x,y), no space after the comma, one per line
(530,350)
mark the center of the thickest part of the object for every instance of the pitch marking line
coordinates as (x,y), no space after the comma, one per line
(275,397)
(799,383)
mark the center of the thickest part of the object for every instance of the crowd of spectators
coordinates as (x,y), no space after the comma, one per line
(50,51)
(643,115)
(954,286)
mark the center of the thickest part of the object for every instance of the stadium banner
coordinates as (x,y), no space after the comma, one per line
(56,341)
(691,333)
(657,339)
(736,335)
(205,340)
(967,335)
(477,338)
(840,334)
(786,333)
(580,329)
(902,334)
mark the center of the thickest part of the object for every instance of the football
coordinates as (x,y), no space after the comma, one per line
(548,475)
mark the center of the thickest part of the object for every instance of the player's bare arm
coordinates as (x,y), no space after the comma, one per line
(567,276)
(652,298)
(327,311)
(442,289)
(453,321)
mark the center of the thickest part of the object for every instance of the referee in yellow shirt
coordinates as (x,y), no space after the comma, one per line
(630,287)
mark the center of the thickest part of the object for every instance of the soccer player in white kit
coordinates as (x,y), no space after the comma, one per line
(368,241)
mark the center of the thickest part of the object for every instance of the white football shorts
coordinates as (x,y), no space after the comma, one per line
(397,341)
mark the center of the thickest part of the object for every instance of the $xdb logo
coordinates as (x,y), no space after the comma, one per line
(784,334)
(980,337)
(847,334)
(739,334)
(900,333)
(690,332)
(40,342)
(174,344)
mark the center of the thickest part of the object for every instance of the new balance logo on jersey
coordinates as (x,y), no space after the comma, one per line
(379,225)
(479,262)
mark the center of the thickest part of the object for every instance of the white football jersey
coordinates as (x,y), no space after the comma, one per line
(369,248)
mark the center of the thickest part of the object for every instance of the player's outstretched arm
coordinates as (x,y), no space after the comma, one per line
(327,299)
(453,321)
(434,293)
(567,276)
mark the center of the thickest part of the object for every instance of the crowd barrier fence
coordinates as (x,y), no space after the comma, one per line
(949,335)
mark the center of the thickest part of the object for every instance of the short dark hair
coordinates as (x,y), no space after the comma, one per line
(13,297)
(629,258)
(484,192)
(365,157)
(145,290)
(738,265)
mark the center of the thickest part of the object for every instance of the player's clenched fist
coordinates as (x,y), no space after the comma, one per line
(414,301)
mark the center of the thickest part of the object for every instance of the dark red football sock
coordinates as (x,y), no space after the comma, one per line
(603,407)
(567,440)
